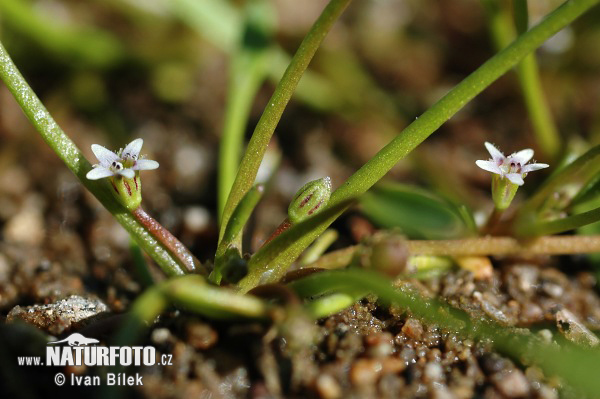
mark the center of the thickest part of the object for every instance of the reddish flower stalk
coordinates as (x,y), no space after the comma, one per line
(179,251)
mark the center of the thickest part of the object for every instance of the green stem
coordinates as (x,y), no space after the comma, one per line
(194,294)
(521,16)
(479,246)
(492,222)
(319,247)
(232,239)
(503,32)
(272,113)
(142,272)
(331,304)
(78,43)
(299,238)
(537,106)
(239,218)
(561,225)
(147,307)
(68,152)
(557,194)
(248,70)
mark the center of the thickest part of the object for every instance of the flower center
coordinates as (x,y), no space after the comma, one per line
(116,167)
(510,167)
(128,159)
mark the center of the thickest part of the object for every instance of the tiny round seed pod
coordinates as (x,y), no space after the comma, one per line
(310,199)
(389,254)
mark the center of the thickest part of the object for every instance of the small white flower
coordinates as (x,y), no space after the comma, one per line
(514,167)
(124,163)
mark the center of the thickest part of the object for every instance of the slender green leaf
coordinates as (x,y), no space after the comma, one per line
(569,186)
(79,44)
(68,152)
(283,255)
(247,72)
(272,113)
(503,32)
(418,213)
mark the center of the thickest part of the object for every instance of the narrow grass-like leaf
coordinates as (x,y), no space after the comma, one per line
(247,71)
(267,265)
(68,152)
(233,233)
(561,225)
(239,218)
(83,45)
(147,307)
(418,213)
(521,14)
(563,189)
(194,294)
(142,271)
(319,247)
(331,304)
(281,256)
(503,32)
(220,23)
(272,113)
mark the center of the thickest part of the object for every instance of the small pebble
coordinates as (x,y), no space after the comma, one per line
(512,383)
(60,316)
(327,387)
(545,335)
(26,227)
(5,269)
(570,326)
(196,219)
(480,266)
(413,329)
(433,372)
(160,336)
(365,372)
(379,344)
(201,336)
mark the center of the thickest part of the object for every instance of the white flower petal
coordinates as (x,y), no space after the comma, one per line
(99,173)
(522,156)
(490,166)
(106,157)
(534,166)
(515,178)
(494,152)
(128,173)
(145,164)
(132,150)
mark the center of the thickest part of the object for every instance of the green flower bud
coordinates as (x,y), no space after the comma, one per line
(309,199)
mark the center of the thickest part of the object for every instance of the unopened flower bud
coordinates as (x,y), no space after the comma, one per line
(310,199)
